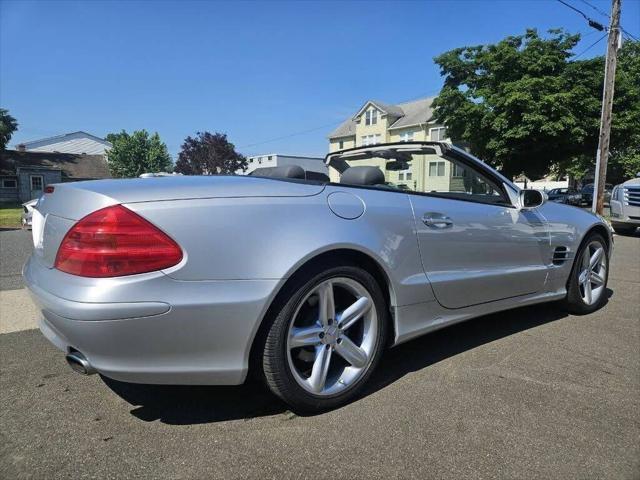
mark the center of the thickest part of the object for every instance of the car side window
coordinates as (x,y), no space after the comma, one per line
(425,173)
(444,177)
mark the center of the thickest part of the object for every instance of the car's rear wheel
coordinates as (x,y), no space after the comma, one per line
(326,340)
(586,289)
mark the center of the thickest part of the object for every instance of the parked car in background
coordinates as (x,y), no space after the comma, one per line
(625,206)
(200,279)
(569,196)
(27,213)
(587,193)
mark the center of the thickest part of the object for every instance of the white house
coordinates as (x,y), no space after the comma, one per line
(309,164)
(79,143)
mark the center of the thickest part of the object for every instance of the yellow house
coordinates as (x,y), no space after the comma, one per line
(378,122)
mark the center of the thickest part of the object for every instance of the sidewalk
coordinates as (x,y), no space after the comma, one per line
(17,311)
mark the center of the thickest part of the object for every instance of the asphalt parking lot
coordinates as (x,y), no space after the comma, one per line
(531,393)
(15,247)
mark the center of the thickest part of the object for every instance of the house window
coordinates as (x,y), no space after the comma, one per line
(458,170)
(270,157)
(371,117)
(437,134)
(405,175)
(341,145)
(9,183)
(259,159)
(436,169)
(370,139)
(36,182)
(407,137)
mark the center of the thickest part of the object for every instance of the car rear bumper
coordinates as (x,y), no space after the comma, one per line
(150,328)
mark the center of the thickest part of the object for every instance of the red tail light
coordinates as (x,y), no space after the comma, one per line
(113,242)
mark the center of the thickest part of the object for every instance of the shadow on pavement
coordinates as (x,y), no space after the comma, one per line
(181,405)
(186,404)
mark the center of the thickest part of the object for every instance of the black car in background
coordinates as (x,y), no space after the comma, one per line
(570,196)
(587,193)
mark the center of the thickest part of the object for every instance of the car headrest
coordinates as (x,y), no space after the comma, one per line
(365,175)
(285,171)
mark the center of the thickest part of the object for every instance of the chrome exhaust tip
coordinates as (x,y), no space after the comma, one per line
(79,363)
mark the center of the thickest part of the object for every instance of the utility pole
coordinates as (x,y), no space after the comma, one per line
(607,106)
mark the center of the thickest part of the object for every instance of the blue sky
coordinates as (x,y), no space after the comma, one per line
(254,70)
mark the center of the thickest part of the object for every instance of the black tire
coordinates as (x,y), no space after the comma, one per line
(275,366)
(624,229)
(573,302)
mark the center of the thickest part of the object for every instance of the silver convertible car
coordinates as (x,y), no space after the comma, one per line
(201,280)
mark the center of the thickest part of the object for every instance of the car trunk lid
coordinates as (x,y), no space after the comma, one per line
(56,212)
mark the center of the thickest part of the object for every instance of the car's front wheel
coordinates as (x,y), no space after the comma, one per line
(326,340)
(586,289)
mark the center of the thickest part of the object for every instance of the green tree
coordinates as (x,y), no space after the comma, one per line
(524,106)
(209,154)
(8,125)
(138,153)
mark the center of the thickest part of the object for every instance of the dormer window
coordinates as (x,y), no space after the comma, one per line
(371,117)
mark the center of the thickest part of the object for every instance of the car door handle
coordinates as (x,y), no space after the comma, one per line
(436,220)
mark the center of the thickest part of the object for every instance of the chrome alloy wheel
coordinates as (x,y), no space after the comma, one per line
(593,272)
(331,340)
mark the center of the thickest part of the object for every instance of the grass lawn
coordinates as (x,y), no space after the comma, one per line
(10,215)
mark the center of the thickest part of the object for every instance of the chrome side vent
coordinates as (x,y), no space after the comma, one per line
(560,255)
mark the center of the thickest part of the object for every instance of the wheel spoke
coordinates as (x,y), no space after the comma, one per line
(583,277)
(587,292)
(351,352)
(595,258)
(303,337)
(586,258)
(597,279)
(327,309)
(354,312)
(320,368)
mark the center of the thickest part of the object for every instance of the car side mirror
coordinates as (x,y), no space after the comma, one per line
(532,198)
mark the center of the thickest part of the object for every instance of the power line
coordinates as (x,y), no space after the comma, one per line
(591,21)
(605,14)
(302,132)
(314,129)
(589,47)
(632,37)
(584,35)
